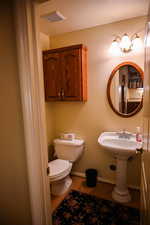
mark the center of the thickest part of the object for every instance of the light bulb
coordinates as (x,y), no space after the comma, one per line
(125,43)
(137,43)
(114,48)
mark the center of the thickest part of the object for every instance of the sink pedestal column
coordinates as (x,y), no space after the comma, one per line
(120,192)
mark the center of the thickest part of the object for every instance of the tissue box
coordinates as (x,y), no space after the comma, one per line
(67,136)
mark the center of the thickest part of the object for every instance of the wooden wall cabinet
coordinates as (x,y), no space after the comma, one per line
(65,73)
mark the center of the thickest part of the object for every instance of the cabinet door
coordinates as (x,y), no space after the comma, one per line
(52,76)
(72,78)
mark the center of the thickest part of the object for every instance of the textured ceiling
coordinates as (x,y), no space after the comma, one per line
(83,14)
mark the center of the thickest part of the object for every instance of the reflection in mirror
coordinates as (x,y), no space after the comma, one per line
(126,90)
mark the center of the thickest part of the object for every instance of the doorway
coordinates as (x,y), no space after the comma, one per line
(39,109)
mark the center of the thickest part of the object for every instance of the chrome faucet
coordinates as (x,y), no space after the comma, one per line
(124,134)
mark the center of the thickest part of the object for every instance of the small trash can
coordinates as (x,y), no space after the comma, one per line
(91,177)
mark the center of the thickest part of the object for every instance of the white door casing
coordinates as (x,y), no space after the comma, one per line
(145,160)
(32,95)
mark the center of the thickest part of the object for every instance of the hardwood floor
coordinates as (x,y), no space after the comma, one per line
(102,190)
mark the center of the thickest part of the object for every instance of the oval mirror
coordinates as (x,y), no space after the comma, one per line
(125,89)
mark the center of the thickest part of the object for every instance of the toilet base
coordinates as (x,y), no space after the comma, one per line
(61,186)
(122,197)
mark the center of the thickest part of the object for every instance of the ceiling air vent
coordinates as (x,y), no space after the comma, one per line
(54,16)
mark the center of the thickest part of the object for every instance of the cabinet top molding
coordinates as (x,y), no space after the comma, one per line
(81,46)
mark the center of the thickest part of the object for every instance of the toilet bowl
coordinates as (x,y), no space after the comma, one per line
(59,176)
(68,151)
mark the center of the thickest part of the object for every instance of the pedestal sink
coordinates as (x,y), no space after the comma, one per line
(122,145)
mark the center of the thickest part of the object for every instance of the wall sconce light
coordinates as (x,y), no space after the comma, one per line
(126,44)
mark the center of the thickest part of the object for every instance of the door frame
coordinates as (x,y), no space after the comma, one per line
(33,107)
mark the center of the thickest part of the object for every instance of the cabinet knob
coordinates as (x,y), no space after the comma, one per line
(62,93)
(139,150)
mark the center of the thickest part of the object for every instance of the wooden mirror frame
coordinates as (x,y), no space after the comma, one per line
(109,85)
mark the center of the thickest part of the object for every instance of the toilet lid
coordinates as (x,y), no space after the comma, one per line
(74,142)
(58,166)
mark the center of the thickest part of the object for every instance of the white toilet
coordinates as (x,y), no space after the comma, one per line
(68,151)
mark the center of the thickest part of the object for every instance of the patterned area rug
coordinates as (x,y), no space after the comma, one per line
(83,209)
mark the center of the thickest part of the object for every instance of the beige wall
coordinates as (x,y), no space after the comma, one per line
(45,45)
(90,119)
(14,196)
(44,41)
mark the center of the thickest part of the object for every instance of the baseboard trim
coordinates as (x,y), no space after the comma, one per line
(101,179)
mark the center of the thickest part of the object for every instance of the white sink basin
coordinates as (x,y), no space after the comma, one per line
(122,145)
(119,145)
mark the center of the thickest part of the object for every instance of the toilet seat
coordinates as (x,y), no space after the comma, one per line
(59,169)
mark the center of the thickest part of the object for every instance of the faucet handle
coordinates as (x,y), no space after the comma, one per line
(124,130)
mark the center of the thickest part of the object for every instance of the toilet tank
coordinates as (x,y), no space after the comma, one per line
(68,149)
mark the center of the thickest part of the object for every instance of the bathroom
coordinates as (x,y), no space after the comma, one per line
(88,119)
